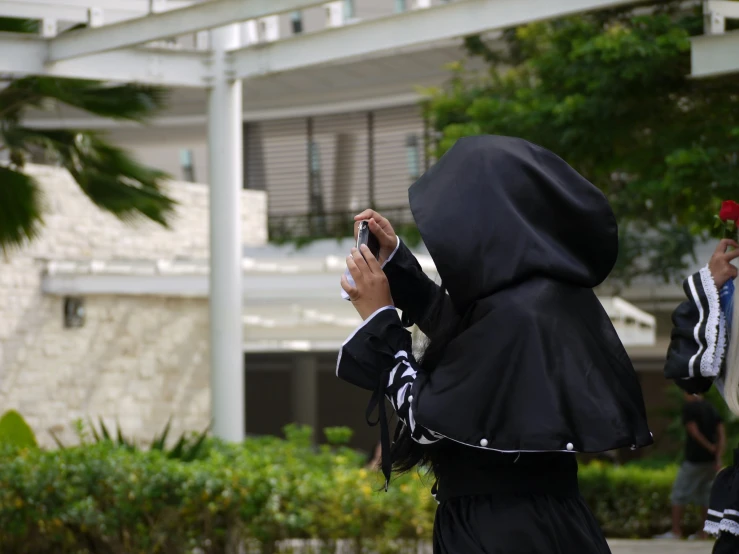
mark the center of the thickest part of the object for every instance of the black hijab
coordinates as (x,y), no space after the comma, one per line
(519,239)
(495,211)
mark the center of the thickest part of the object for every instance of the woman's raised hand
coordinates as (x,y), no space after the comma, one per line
(720,263)
(371,290)
(381,228)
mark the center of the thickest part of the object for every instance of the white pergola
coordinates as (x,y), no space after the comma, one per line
(120,44)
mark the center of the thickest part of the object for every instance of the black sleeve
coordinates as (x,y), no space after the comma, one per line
(416,295)
(698,338)
(378,357)
(370,351)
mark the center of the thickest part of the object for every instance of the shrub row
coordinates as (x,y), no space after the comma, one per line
(102,498)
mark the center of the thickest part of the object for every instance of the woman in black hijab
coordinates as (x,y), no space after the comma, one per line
(523,368)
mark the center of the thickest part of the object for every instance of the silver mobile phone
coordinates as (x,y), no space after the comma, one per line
(365,236)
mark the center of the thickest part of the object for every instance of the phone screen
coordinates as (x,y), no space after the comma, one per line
(365,236)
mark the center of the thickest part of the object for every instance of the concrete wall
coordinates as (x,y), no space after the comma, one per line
(137,359)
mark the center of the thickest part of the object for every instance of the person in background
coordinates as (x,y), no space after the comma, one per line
(704,352)
(705,445)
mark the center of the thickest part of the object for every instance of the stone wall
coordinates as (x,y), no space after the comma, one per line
(137,359)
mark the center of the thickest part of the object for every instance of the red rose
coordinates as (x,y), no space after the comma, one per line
(729,211)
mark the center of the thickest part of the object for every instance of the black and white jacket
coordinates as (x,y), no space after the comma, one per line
(699,338)
(696,359)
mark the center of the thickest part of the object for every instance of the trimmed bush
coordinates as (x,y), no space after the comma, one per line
(105,499)
(14,431)
(632,501)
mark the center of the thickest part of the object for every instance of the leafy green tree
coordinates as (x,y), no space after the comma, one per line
(611,93)
(109,177)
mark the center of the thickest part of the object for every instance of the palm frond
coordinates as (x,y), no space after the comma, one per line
(194,450)
(20,208)
(159,442)
(178,449)
(108,175)
(104,431)
(94,431)
(57,440)
(131,102)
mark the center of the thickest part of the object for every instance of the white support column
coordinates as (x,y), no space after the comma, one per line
(226,179)
(305,391)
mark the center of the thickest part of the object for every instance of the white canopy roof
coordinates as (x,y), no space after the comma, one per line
(110,48)
(291,302)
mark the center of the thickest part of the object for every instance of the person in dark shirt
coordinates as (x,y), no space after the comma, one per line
(704,449)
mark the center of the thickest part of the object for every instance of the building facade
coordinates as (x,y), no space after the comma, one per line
(118,353)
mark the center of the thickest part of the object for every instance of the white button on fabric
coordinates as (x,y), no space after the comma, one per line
(410,398)
(570,446)
(484,443)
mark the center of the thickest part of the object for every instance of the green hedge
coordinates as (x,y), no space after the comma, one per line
(103,498)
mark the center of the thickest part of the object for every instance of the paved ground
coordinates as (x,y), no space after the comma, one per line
(661,547)
(617,547)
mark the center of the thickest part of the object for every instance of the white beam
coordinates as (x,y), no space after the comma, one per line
(729,8)
(206,15)
(77,10)
(77,14)
(26,54)
(249,115)
(448,21)
(226,172)
(714,55)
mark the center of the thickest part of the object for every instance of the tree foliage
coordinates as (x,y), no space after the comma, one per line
(108,175)
(611,93)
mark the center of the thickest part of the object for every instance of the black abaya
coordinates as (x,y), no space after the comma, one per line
(533,523)
(493,503)
(535,372)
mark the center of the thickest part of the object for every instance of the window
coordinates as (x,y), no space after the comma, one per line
(186,163)
(269,28)
(316,192)
(414,156)
(202,40)
(74,312)
(349,10)
(296,19)
(335,14)
(317,220)
(249,32)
